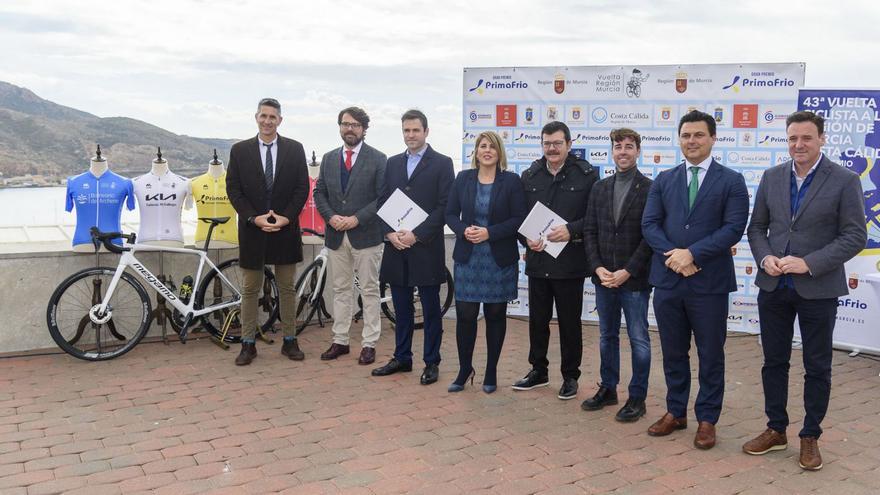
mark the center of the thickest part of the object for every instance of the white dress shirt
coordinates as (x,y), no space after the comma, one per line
(274,144)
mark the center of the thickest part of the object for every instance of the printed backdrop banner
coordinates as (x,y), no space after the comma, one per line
(853,140)
(749,102)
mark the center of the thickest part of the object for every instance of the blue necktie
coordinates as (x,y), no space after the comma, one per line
(269,173)
(269,166)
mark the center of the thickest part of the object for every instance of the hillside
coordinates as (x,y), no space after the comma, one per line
(39,137)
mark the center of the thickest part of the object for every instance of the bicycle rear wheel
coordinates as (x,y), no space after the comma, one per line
(213,290)
(447,292)
(71,327)
(307,286)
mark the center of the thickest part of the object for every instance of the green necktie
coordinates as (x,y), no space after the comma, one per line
(694,186)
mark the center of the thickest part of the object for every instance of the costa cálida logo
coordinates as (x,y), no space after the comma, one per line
(853,280)
(559,83)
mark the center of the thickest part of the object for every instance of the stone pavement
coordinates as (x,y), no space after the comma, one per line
(183,419)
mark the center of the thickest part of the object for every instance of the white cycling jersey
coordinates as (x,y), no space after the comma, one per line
(160,200)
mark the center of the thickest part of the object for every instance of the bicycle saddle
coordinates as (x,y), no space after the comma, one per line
(215,221)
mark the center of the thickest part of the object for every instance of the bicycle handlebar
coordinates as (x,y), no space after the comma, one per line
(106,238)
(307,230)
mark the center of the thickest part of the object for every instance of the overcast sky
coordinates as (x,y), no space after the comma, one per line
(198,67)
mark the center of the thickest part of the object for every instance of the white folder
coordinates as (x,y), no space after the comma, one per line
(401,213)
(538,224)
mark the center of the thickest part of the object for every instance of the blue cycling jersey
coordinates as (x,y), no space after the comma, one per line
(98,202)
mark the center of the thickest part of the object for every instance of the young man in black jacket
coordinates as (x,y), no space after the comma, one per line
(562,182)
(619,258)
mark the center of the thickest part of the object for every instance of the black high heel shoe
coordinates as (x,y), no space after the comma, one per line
(456,387)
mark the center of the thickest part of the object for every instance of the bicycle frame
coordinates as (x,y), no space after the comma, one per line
(322,255)
(128,259)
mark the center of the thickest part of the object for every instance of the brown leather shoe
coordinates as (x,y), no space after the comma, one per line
(810,459)
(291,350)
(765,442)
(705,437)
(247,354)
(666,425)
(368,356)
(334,352)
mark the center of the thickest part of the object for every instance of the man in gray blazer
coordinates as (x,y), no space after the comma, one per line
(350,181)
(808,220)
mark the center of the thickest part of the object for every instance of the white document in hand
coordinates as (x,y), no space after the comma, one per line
(538,224)
(401,213)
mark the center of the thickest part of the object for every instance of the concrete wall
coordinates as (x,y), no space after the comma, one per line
(28,280)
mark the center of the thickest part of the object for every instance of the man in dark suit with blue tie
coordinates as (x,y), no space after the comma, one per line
(416,258)
(694,214)
(268,184)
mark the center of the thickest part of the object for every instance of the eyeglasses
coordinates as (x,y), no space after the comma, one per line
(350,125)
(553,144)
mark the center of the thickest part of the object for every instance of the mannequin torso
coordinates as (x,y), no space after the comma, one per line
(161,196)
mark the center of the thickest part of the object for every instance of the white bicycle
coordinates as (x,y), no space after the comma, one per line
(101,313)
(310,294)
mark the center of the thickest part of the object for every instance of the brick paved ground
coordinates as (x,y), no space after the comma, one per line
(183,419)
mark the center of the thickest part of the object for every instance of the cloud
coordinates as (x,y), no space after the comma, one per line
(197,67)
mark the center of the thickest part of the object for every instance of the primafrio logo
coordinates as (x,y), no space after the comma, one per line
(851,303)
(503,82)
(527,138)
(758,80)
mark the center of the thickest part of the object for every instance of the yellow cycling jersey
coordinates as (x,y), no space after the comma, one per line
(211,199)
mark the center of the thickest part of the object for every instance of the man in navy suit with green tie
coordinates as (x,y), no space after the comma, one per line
(694,214)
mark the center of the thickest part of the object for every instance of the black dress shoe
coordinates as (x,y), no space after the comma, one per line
(569,389)
(604,397)
(631,411)
(430,375)
(247,354)
(290,348)
(393,366)
(533,379)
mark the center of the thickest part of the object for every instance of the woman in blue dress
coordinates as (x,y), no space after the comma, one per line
(486,207)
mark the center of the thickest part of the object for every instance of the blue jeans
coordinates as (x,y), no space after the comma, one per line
(634,304)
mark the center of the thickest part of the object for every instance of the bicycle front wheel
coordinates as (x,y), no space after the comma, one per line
(309,294)
(447,293)
(214,290)
(72,328)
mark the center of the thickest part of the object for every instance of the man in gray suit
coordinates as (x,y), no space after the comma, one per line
(350,181)
(808,220)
